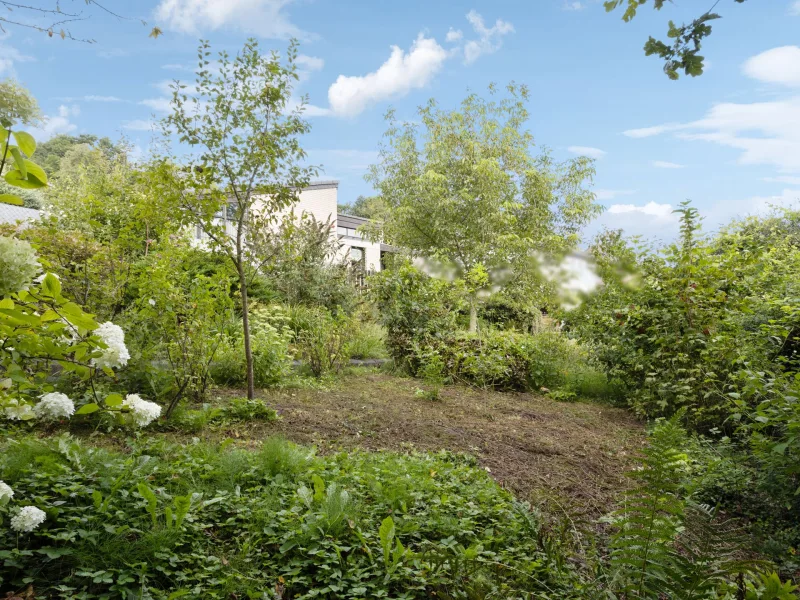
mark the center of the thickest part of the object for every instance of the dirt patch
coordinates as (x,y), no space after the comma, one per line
(572,454)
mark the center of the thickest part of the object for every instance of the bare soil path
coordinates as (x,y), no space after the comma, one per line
(571,454)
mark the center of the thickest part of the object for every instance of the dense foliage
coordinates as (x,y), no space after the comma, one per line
(708,326)
(278,522)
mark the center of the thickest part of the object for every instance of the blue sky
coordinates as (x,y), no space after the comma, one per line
(729,140)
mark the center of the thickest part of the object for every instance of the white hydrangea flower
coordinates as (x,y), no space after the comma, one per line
(6,493)
(19,411)
(143,412)
(54,406)
(27,519)
(18,265)
(116,355)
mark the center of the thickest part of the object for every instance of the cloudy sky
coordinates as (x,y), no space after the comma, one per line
(729,140)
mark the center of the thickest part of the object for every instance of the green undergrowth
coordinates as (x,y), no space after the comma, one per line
(160,520)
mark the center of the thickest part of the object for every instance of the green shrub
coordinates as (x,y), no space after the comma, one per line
(242,409)
(504,360)
(414,307)
(272,359)
(211,521)
(322,340)
(366,340)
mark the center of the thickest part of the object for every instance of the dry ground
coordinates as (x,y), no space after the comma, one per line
(570,454)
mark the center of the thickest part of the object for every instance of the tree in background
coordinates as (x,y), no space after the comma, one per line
(17,104)
(245,162)
(50,153)
(467,190)
(368,207)
(682,53)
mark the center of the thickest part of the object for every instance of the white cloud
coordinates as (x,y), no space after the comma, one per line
(176,67)
(794,8)
(265,18)
(573,6)
(158,104)
(402,72)
(652,221)
(783,179)
(651,131)
(665,164)
(767,133)
(102,99)
(8,57)
(723,212)
(69,111)
(139,125)
(312,63)
(490,39)
(779,65)
(454,35)
(653,209)
(603,194)
(587,151)
(56,124)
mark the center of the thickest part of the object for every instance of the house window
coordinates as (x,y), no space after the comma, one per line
(348,232)
(357,257)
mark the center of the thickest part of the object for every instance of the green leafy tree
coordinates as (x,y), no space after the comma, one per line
(50,153)
(368,207)
(17,104)
(464,187)
(682,52)
(243,132)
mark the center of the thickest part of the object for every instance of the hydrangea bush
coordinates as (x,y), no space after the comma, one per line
(45,336)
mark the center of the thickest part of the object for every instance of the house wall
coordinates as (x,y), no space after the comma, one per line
(320,200)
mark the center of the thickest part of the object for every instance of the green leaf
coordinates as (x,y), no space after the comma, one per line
(21,318)
(319,488)
(26,142)
(87,409)
(34,177)
(52,285)
(19,160)
(114,400)
(11,199)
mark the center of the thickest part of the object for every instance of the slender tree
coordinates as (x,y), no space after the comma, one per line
(464,187)
(245,163)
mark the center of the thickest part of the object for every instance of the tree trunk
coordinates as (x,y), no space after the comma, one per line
(473,314)
(248,352)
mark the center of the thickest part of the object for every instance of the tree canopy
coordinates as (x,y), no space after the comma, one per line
(464,187)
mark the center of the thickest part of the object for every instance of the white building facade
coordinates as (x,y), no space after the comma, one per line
(320,200)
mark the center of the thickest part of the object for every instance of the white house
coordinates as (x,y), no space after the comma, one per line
(320,200)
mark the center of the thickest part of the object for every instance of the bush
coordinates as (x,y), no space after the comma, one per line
(272,359)
(322,340)
(506,360)
(416,309)
(366,340)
